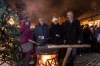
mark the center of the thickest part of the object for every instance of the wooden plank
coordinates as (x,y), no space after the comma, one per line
(69,46)
(61,45)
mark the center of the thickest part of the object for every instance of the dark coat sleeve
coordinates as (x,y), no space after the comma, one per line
(79,30)
(47,32)
(64,31)
(35,32)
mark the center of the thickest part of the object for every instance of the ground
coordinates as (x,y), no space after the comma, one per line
(86,59)
(90,59)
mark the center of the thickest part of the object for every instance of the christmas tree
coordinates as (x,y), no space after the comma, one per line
(9,35)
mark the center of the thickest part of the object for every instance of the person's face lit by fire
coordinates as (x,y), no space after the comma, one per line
(70,15)
(27,24)
(56,22)
(41,21)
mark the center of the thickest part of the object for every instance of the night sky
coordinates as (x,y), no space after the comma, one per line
(49,8)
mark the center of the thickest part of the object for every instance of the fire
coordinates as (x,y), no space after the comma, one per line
(46,57)
(47,60)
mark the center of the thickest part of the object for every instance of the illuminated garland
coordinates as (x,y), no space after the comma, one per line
(9,34)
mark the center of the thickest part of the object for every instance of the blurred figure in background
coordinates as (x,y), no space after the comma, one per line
(89,36)
(92,38)
(86,37)
(98,39)
(86,34)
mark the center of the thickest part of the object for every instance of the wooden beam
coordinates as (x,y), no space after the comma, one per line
(69,46)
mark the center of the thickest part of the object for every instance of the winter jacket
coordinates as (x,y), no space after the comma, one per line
(25,33)
(41,30)
(72,31)
(55,33)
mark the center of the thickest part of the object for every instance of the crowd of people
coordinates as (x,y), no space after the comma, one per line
(90,34)
(70,32)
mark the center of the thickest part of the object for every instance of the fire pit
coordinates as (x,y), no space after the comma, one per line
(47,60)
(46,57)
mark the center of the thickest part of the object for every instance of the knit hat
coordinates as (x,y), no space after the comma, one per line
(54,19)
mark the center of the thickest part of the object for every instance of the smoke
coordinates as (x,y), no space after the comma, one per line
(34,9)
(45,9)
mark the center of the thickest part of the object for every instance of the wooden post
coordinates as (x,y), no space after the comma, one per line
(68,52)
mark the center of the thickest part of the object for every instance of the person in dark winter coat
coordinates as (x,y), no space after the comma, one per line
(72,34)
(93,39)
(87,34)
(55,32)
(41,32)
